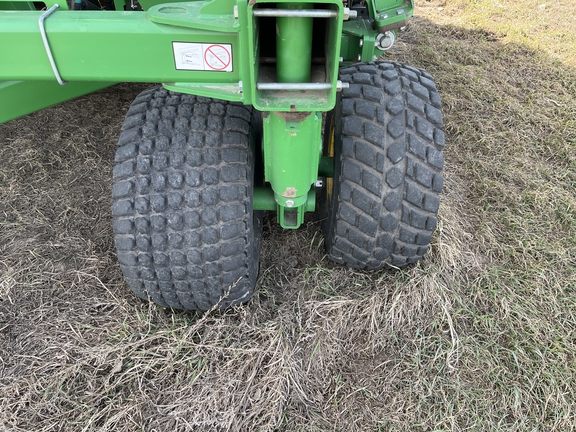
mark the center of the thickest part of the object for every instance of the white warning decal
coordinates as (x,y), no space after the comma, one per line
(202,57)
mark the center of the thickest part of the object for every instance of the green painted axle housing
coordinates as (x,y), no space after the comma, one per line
(281,56)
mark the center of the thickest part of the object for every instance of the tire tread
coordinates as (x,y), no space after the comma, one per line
(181,198)
(391,125)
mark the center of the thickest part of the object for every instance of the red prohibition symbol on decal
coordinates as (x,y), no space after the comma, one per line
(217,57)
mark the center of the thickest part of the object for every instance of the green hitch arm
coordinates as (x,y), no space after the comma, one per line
(292,147)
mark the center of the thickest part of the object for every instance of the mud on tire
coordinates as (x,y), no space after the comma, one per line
(185,231)
(381,211)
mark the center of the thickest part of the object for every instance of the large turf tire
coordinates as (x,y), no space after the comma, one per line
(380,209)
(185,231)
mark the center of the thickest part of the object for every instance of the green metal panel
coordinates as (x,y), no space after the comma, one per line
(85,46)
(214,12)
(19,98)
(358,42)
(390,14)
(211,15)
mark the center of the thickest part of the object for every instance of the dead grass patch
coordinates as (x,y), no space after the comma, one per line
(478,336)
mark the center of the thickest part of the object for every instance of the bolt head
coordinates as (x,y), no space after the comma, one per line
(289,203)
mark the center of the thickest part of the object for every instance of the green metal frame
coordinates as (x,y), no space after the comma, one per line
(280,56)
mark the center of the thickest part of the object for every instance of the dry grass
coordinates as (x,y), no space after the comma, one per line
(479,336)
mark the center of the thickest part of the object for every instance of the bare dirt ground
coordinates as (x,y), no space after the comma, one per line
(478,336)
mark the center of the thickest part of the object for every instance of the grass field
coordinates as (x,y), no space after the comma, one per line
(479,336)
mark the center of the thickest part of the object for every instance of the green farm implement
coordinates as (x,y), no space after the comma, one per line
(263,106)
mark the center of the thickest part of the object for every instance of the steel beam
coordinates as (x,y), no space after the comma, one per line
(105,46)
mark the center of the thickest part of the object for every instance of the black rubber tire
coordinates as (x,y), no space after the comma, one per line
(387,170)
(185,231)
